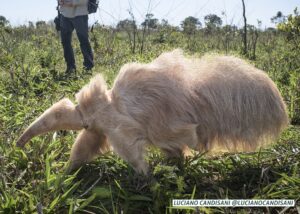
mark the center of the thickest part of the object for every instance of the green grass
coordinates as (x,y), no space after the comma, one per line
(33,180)
(35,177)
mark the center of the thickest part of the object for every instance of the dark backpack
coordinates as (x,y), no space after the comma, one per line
(93,6)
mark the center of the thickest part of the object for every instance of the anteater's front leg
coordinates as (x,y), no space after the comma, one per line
(87,146)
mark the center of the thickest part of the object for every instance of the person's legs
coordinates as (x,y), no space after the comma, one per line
(81,26)
(66,40)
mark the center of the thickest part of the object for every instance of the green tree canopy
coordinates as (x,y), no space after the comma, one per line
(150,22)
(40,24)
(292,27)
(3,21)
(212,21)
(126,24)
(190,25)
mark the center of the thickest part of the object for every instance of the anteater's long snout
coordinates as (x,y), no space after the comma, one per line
(60,116)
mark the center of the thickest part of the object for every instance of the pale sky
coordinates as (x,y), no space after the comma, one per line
(111,11)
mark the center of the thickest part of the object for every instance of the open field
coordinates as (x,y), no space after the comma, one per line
(32,78)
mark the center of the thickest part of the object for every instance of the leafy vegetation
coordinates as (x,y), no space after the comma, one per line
(32,78)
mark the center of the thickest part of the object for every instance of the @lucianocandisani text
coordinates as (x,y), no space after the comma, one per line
(233,203)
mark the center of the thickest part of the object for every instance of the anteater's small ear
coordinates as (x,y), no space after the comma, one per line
(95,91)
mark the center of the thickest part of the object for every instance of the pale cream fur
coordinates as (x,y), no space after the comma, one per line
(176,103)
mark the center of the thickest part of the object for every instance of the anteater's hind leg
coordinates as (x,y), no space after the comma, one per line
(185,151)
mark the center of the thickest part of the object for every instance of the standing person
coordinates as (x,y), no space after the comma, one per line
(74,15)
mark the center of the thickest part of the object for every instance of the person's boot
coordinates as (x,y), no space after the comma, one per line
(70,70)
(88,70)
(71,73)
